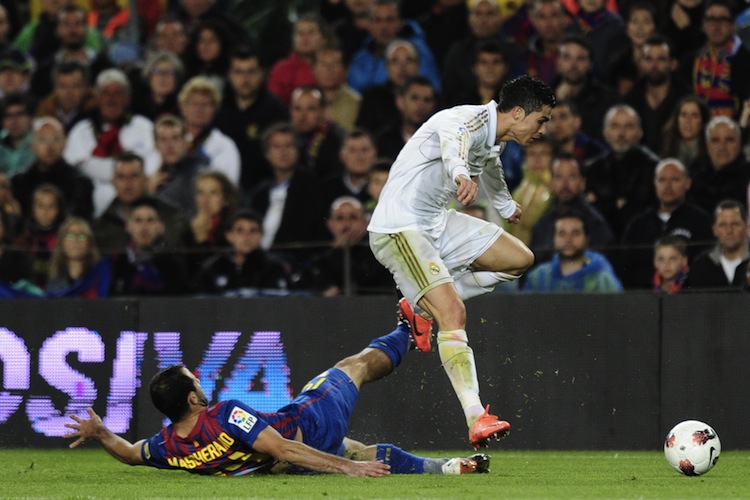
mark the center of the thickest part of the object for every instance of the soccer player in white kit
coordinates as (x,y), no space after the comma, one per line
(440,257)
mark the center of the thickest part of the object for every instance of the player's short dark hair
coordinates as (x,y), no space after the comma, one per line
(527,92)
(573,214)
(169,391)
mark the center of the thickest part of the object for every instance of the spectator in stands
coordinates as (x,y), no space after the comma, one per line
(296,70)
(76,267)
(71,31)
(671,270)
(48,143)
(378,106)
(684,26)
(15,72)
(207,52)
(291,204)
(121,29)
(329,274)
(564,129)
(484,24)
(375,182)
(16,154)
(684,132)
(170,35)
(625,67)
(725,173)
(619,183)
(725,265)
(246,111)
(156,95)
(130,184)
(6,26)
(10,205)
(40,38)
(548,20)
(671,215)
(568,188)
(145,268)
(358,155)
(574,267)
(719,71)
(342,101)
(39,236)
(491,68)
(199,102)
(71,99)
(444,24)
(576,83)
(534,193)
(368,65)
(215,201)
(178,167)
(604,30)
(94,142)
(416,101)
(354,28)
(14,265)
(245,265)
(657,92)
(321,137)
(193,12)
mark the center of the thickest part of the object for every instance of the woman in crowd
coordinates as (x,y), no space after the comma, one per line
(76,268)
(207,53)
(157,94)
(684,133)
(623,69)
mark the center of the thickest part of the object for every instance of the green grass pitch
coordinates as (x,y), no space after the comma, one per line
(91,473)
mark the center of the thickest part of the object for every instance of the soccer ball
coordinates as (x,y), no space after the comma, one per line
(692,448)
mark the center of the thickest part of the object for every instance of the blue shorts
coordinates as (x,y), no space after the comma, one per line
(325,406)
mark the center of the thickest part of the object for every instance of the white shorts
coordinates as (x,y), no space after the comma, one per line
(419,261)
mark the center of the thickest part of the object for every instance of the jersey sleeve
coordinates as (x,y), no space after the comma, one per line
(492,180)
(240,421)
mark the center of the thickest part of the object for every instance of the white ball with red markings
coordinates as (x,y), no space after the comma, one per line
(692,447)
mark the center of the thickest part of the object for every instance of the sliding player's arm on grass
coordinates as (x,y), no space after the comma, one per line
(93,428)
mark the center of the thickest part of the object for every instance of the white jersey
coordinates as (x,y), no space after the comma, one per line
(422,180)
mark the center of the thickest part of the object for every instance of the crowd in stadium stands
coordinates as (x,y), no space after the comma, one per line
(184,147)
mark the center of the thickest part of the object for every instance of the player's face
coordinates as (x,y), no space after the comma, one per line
(729,229)
(672,184)
(171,144)
(198,389)
(245,236)
(573,63)
(723,145)
(45,209)
(532,126)
(209,197)
(567,181)
(689,121)
(668,262)
(622,131)
(570,238)
(129,181)
(358,155)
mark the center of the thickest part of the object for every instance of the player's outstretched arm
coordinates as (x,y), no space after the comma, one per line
(93,428)
(271,442)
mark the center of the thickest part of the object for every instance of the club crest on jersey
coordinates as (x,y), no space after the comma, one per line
(434,268)
(242,419)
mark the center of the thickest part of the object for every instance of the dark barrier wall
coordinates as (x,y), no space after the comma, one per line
(568,371)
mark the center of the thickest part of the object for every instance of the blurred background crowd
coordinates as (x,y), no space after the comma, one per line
(230,147)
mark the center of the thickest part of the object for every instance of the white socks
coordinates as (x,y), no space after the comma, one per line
(458,361)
